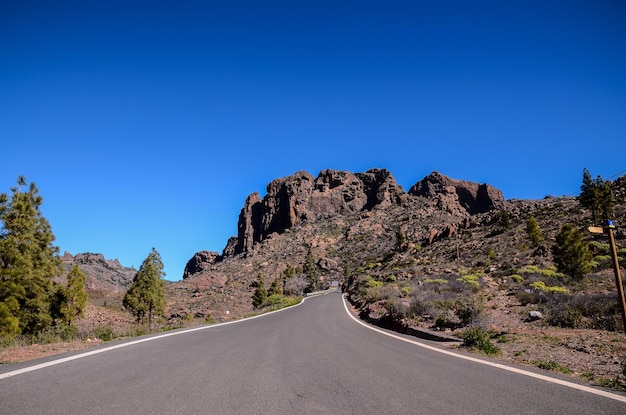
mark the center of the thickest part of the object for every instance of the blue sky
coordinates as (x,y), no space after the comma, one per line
(147,124)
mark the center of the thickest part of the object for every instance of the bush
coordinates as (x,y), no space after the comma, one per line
(566,317)
(541,286)
(470,281)
(104,333)
(468,310)
(551,365)
(395,309)
(477,338)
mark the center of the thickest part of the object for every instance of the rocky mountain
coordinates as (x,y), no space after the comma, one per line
(342,217)
(103,275)
(301,198)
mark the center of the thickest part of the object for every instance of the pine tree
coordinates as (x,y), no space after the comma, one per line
(260,294)
(276,288)
(533,231)
(146,295)
(74,296)
(401,243)
(28,262)
(571,253)
(597,196)
(310,271)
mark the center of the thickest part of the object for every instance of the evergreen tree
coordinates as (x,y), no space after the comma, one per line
(74,296)
(310,271)
(571,253)
(504,219)
(533,231)
(276,287)
(260,294)
(28,262)
(146,296)
(401,243)
(597,196)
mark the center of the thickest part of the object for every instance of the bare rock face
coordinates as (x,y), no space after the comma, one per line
(301,197)
(458,196)
(200,262)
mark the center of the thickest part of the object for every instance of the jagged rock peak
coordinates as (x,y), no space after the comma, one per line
(452,194)
(300,197)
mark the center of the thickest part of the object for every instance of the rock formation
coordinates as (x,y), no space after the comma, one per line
(300,197)
(458,196)
(199,262)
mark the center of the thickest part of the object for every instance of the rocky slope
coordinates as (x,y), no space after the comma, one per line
(107,279)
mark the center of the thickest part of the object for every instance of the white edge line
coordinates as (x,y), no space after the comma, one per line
(492,364)
(131,343)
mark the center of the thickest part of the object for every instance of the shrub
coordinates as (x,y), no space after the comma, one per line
(104,333)
(525,297)
(477,338)
(471,281)
(395,309)
(516,278)
(551,365)
(468,310)
(566,317)
(541,286)
(437,281)
(548,272)
(372,283)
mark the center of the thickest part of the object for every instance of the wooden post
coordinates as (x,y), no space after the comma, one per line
(618,277)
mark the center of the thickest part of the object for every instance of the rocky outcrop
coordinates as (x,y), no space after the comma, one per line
(458,196)
(102,274)
(200,262)
(298,198)
(301,197)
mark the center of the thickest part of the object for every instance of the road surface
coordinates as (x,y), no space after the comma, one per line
(310,359)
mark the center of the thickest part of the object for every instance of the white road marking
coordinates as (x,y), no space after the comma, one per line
(492,364)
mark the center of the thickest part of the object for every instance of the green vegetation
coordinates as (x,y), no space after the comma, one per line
(533,231)
(597,196)
(311,272)
(260,293)
(471,281)
(477,338)
(73,298)
(550,365)
(30,301)
(541,286)
(571,253)
(146,295)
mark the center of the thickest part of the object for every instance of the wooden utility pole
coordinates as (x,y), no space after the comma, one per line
(609,225)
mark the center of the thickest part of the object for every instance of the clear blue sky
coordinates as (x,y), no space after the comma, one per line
(147,124)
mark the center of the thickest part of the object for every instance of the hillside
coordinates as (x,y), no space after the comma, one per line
(413,259)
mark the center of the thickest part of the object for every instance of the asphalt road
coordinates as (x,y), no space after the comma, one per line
(310,359)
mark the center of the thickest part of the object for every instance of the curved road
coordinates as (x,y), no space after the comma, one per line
(310,359)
